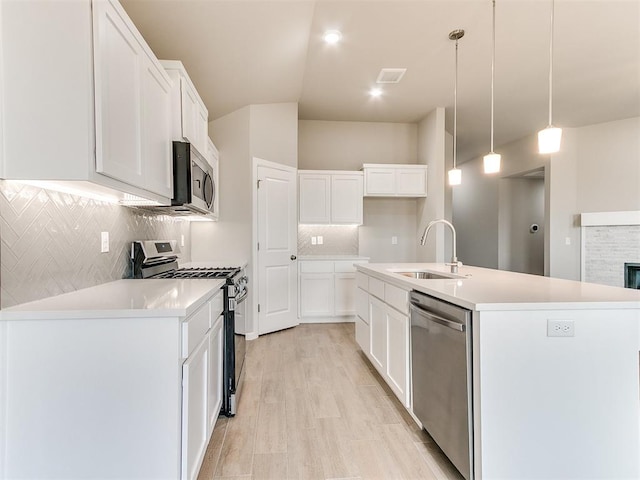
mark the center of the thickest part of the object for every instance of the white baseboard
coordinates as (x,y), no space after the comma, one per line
(344,319)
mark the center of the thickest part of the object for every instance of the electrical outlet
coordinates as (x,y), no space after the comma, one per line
(560,328)
(394,240)
(314,240)
(320,240)
(567,240)
(104,242)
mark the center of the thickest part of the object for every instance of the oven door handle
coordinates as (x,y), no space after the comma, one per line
(235,301)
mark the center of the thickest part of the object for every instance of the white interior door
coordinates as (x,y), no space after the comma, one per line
(277,249)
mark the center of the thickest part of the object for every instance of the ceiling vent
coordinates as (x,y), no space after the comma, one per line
(390,75)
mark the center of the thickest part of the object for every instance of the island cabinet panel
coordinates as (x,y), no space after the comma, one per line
(575,397)
(382,331)
(378,324)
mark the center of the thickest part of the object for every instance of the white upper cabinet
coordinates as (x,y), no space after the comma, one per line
(190,115)
(82,106)
(330,197)
(391,180)
(213,157)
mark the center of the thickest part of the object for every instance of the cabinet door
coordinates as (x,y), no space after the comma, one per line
(398,354)
(378,328)
(194,410)
(213,159)
(379,181)
(156,130)
(411,182)
(362,304)
(118,61)
(362,335)
(214,385)
(344,294)
(316,294)
(314,198)
(202,128)
(189,112)
(346,199)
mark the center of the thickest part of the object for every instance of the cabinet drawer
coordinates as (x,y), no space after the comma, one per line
(362,281)
(316,267)
(346,266)
(397,298)
(194,329)
(216,308)
(376,287)
(362,305)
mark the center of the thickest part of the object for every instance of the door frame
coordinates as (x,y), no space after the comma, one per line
(260,162)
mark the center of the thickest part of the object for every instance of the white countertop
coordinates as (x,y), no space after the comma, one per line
(487,289)
(332,257)
(129,298)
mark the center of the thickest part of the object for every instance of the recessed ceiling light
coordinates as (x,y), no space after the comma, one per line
(332,37)
(375,92)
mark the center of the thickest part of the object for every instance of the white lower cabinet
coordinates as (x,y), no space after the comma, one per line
(132,397)
(194,409)
(214,400)
(382,331)
(327,288)
(316,294)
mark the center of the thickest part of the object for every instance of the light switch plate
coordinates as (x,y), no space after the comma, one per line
(394,240)
(104,242)
(314,240)
(320,240)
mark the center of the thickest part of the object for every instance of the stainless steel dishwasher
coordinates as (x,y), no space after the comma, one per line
(441,374)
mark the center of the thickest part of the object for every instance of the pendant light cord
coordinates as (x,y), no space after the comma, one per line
(551,66)
(493,67)
(455,109)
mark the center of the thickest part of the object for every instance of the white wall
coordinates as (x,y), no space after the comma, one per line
(327,145)
(434,151)
(384,218)
(597,169)
(521,205)
(609,166)
(265,131)
(274,132)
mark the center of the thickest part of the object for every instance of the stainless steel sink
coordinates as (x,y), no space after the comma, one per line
(424,275)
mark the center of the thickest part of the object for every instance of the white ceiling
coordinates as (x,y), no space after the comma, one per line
(241,52)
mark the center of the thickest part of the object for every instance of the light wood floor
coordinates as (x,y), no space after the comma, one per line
(312,407)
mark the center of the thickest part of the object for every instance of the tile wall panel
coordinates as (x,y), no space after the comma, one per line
(50,241)
(606,249)
(337,240)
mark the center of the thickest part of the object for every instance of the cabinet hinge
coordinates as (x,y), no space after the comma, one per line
(258,246)
(258,182)
(258,308)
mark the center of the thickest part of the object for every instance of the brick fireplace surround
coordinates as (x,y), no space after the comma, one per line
(609,240)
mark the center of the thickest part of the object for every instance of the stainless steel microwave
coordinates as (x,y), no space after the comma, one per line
(194,188)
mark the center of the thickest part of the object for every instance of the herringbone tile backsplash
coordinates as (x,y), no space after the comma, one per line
(50,241)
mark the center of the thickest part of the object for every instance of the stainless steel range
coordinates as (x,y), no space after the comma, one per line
(158,259)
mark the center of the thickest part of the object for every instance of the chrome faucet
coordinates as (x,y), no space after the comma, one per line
(454,259)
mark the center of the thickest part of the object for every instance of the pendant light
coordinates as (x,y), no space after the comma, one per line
(492,159)
(549,138)
(455,174)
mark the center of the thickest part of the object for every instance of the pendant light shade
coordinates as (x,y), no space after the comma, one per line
(549,139)
(492,159)
(455,174)
(492,163)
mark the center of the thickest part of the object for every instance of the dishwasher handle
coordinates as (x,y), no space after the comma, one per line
(438,319)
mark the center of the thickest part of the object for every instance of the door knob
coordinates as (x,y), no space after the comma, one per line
(293,257)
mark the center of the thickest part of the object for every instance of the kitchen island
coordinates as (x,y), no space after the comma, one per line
(542,406)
